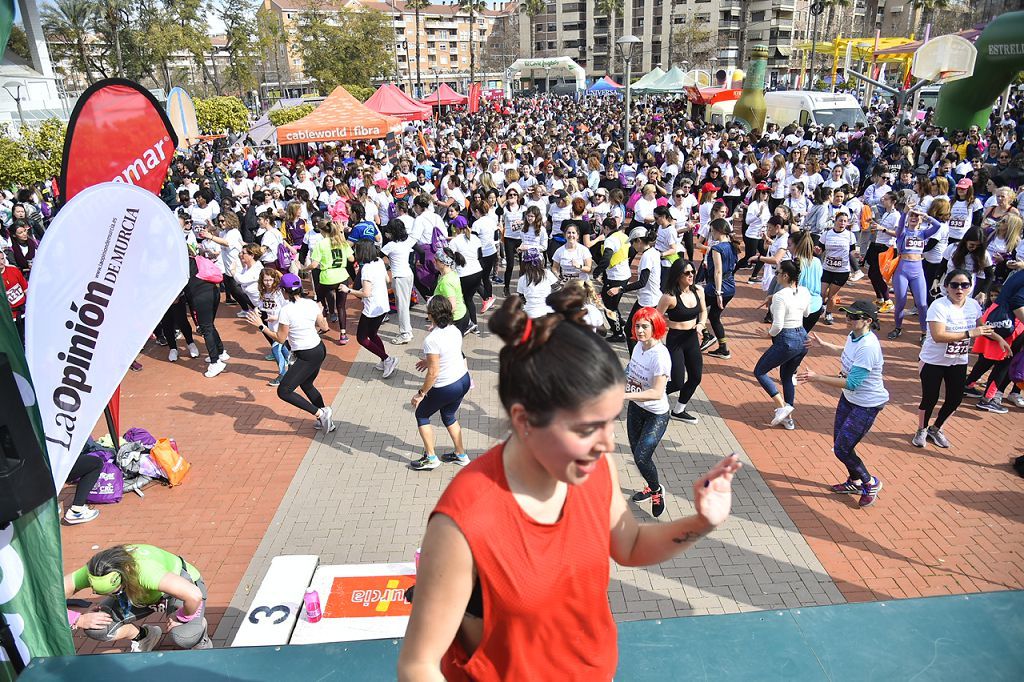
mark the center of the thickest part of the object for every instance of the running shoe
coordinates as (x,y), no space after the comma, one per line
(379,366)
(615,338)
(993,404)
(452,458)
(869,493)
(390,365)
(343,340)
(193,351)
(920,438)
(685,417)
(425,463)
(708,341)
(886,307)
(327,420)
(224,357)
(172,355)
(472,329)
(214,369)
(1015,399)
(895,334)
(911,312)
(720,354)
(276,381)
(84,515)
(828,319)
(936,436)
(204,643)
(334,318)
(242,314)
(857,276)
(487,305)
(643,494)
(658,502)
(402,339)
(972,391)
(161,341)
(847,487)
(149,640)
(789,424)
(781,413)
(754,280)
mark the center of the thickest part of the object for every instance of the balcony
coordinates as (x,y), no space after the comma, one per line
(729,25)
(784,5)
(730,6)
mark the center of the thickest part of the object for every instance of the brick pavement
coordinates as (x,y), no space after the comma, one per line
(947,521)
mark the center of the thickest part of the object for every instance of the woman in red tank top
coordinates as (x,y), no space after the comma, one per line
(513,575)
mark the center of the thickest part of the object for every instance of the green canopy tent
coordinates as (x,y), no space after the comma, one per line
(651,77)
(674,81)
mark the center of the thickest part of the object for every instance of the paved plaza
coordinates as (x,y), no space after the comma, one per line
(265,483)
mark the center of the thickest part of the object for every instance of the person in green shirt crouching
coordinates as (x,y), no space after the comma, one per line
(138,581)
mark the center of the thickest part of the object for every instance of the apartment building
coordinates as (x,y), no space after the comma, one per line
(444,36)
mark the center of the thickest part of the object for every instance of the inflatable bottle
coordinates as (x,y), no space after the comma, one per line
(750,107)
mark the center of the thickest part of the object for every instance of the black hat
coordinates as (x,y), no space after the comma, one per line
(862,307)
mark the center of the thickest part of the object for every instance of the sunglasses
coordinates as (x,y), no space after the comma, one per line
(688,273)
(853,317)
(679,196)
(959,285)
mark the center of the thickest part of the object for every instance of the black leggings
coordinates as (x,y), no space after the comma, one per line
(1000,376)
(470,287)
(235,291)
(752,245)
(715,317)
(932,272)
(301,375)
(687,363)
(205,304)
(176,318)
(932,378)
(875,271)
(511,256)
(333,300)
(611,303)
(811,319)
(487,263)
(86,470)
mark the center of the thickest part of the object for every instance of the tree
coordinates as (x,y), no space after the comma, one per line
(360,92)
(279,117)
(18,43)
(34,156)
(217,114)
(66,24)
(242,46)
(109,20)
(691,43)
(416,6)
(272,37)
(472,6)
(344,46)
(533,9)
(610,8)
(926,9)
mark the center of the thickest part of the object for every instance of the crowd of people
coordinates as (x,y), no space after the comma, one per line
(550,209)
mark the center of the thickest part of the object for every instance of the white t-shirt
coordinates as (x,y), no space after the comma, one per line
(271,304)
(446,343)
(567,260)
(756,218)
(865,352)
(398,256)
(649,295)
(961,216)
(643,368)
(469,247)
(620,271)
(957,321)
(836,250)
(374,272)
(300,316)
(643,209)
(484,228)
(558,215)
(667,238)
(536,294)
(513,218)
(229,254)
(779,187)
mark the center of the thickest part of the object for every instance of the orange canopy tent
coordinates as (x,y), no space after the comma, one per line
(392,101)
(339,117)
(444,96)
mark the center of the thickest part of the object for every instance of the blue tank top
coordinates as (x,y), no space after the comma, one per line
(728,267)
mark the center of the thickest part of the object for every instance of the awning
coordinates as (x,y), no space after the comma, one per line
(907,49)
(708,96)
(340,117)
(444,96)
(392,101)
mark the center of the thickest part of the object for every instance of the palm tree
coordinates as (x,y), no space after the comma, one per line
(111,18)
(610,7)
(830,22)
(532,9)
(69,21)
(472,6)
(416,6)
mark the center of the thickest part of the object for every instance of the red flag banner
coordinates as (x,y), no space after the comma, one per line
(118,132)
(474,97)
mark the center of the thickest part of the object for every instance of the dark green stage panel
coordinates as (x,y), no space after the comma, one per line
(972,637)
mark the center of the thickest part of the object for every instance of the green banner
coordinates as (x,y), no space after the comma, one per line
(6,21)
(31,575)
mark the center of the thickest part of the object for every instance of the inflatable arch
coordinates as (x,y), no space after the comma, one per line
(968,102)
(556,64)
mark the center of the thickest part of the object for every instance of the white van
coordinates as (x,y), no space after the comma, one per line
(805,106)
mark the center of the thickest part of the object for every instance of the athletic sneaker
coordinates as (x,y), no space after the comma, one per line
(754,280)
(402,339)
(136,366)
(84,515)
(781,413)
(214,369)
(720,354)
(643,494)
(993,404)
(708,341)
(886,307)
(972,391)
(869,493)
(149,641)
(242,314)
(452,458)
(204,643)
(920,438)
(685,417)
(390,365)
(472,329)
(379,366)
(936,436)
(193,350)
(828,319)
(425,463)
(857,276)
(658,502)
(487,305)
(325,420)
(224,357)
(616,338)
(789,424)
(1015,399)
(847,487)
(172,355)
(276,381)
(161,341)
(895,334)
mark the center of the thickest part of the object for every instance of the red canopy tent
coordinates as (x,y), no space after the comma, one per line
(444,96)
(392,101)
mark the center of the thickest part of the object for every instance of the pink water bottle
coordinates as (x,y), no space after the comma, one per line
(312,600)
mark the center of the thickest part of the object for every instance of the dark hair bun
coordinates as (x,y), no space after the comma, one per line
(509,321)
(569,303)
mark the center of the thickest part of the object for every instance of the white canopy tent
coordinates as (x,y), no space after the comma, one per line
(552,65)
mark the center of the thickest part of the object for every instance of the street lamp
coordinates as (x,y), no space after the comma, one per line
(547,80)
(16,95)
(437,124)
(627,45)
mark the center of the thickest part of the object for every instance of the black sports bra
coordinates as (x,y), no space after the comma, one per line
(680,313)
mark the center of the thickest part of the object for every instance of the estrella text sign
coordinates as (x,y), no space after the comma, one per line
(369,596)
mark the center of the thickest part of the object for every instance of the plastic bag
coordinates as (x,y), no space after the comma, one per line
(887,262)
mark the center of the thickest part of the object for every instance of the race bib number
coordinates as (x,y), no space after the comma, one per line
(632,386)
(914,244)
(958,349)
(15,294)
(957,223)
(834,262)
